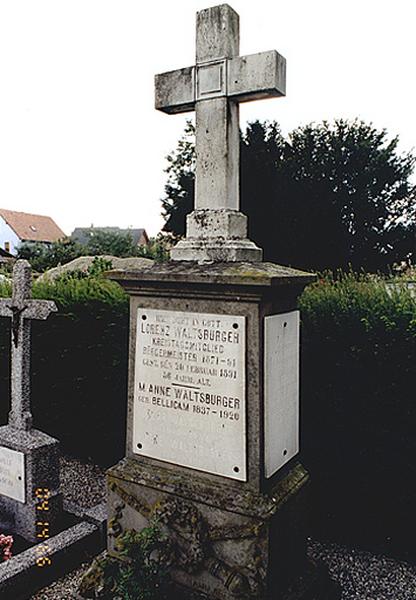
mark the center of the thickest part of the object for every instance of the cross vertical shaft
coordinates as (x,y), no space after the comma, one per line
(21,308)
(217,120)
(20,415)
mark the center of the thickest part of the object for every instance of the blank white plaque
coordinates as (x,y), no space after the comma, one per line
(281,390)
(12,474)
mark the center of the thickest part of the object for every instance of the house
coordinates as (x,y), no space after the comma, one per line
(17,227)
(83,234)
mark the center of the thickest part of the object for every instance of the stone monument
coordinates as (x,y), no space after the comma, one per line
(213,410)
(30,498)
(214,87)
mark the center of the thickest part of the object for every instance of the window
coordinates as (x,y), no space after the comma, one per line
(7,246)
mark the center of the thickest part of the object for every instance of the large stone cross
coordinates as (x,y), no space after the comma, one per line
(216,230)
(21,309)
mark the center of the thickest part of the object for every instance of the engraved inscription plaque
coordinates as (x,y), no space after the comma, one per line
(12,474)
(281,390)
(189,390)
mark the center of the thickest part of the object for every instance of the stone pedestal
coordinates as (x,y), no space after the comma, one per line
(225,543)
(237,519)
(216,235)
(35,515)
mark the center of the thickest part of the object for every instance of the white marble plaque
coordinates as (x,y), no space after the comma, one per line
(281,390)
(12,474)
(189,390)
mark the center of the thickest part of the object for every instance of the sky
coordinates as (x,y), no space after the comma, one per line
(80,139)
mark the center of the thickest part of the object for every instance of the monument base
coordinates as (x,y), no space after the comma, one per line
(216,249)
(222,544)
(36,506)
(216,235)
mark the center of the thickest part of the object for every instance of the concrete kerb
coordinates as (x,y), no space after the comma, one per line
(22,576)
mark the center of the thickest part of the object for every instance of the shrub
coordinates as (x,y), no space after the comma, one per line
(139,573)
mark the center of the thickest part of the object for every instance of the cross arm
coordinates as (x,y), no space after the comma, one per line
(256,76)
(39,309)
(174,91)
(5,307)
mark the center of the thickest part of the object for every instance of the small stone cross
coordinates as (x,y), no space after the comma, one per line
(214,87)
(21,308)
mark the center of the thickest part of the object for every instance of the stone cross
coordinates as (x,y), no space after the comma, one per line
(214,87)
(21,309)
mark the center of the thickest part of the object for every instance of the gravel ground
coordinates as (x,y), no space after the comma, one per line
(82,483)
(365,576)
(361,575)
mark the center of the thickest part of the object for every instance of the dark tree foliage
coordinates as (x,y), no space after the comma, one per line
(331,195)
(42,256)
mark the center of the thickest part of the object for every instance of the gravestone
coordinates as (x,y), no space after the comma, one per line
(213,409)
(30,498)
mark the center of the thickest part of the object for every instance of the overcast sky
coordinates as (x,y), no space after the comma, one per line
(79,137)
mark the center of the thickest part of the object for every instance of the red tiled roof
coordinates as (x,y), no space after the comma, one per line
(33,228)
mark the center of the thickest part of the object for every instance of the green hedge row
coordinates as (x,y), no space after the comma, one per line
(359,405)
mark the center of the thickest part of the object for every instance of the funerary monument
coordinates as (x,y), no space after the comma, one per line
(29,459)
(213,407)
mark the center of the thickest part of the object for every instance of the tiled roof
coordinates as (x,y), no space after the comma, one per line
(33,228)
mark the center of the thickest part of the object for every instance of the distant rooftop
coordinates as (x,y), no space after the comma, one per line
(32,228)
(83,234)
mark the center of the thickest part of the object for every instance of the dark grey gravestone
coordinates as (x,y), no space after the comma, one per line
(30,498)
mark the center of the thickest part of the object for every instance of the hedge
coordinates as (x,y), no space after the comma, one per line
(359,406)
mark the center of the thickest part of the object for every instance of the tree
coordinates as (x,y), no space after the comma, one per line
(110,242)
(331,195)
(43,256)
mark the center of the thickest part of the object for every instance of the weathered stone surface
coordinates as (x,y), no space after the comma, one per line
(83,263)
(221,545)
(257,76)
(214,87)
(42,482)
(230,276)
(222,224)
(271,507)
(36,567)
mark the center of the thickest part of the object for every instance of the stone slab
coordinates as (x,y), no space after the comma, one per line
(281,390)
(12,474)
(247,274)
(189,390)
(38,566)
